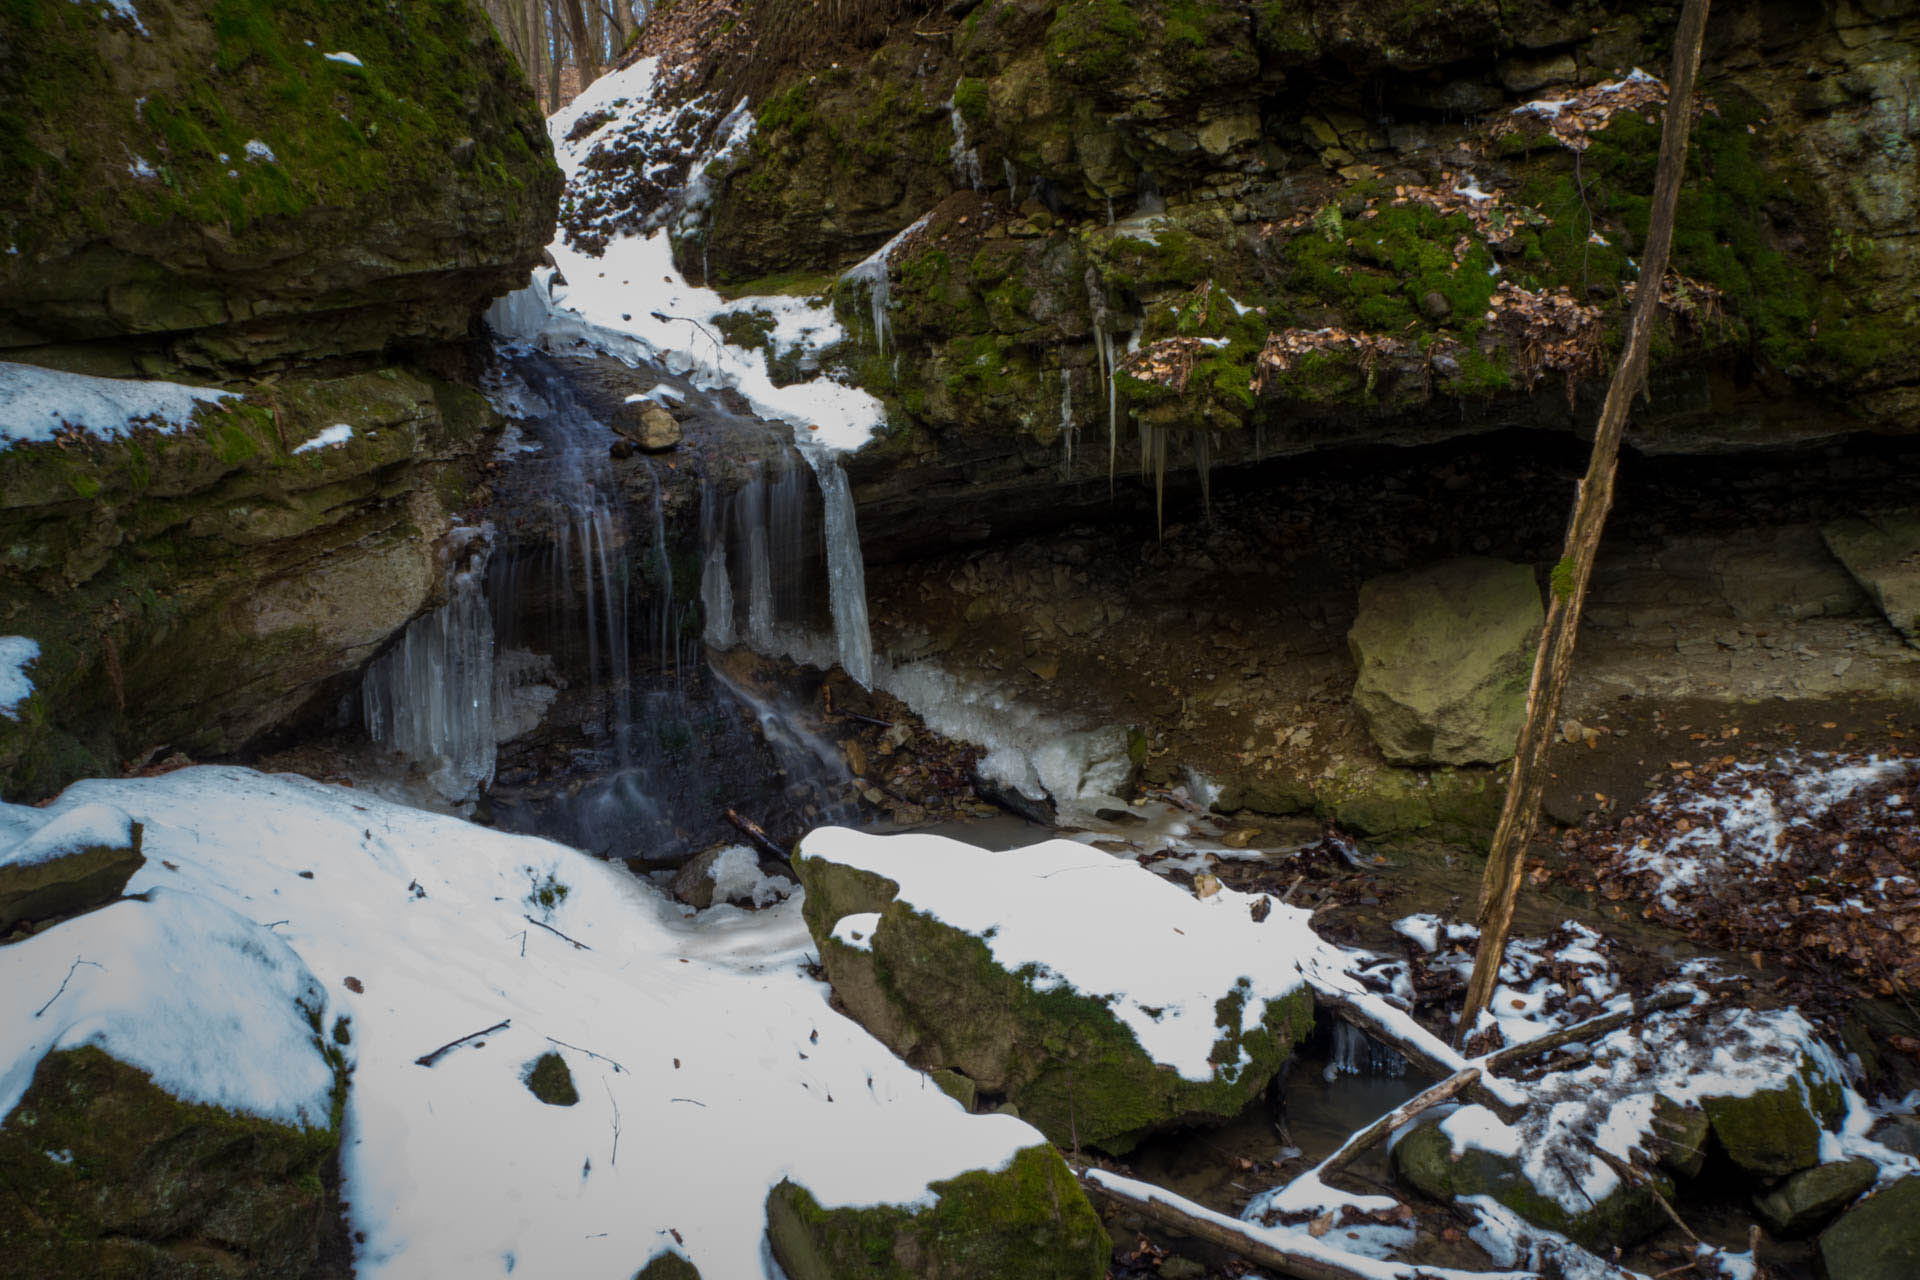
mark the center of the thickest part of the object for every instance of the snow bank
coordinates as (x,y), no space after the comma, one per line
(204,1000)
(36,404)
(16,686)
(631,302)
(43,839)
(1157,956)
(708,1065)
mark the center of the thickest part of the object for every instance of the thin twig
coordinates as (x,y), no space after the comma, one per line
(428,1059)
(696,1102)
(577,946)
(77,962)
(590,1053)
(614,1159)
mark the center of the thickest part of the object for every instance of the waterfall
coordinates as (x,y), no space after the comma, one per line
(1013,183)
(716,584)
(430,697)
(846,570)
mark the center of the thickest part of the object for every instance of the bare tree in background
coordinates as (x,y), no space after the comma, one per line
(564,45)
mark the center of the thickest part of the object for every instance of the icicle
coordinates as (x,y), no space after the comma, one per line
(1355,1053)
(846,570)
(1109,210)
(875,273)
(1013,182)
(965,158)
(716,587)
(1203,463)
(1067,428)
(1160,482)
(430,697)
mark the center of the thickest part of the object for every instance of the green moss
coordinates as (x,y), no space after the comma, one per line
(1562,578)
(1029,1221)
(109,1175)
(970,100)
(1093,40)
(548,1079)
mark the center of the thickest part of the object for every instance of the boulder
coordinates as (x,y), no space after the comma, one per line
(1774,1132)
(1028,1221)
(1877,1239)
(1443,656)
(308,181)
(1809,1198)
(668,1266)
(732,874)
(934,992)
(1883,555)
(80,860)
(109,1175)
(1426,1160)
(649,426)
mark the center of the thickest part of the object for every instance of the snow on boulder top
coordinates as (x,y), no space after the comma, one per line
(89,826)
(16,686)
(1102,926)
(709,1064)
(208,1003)
(37,404)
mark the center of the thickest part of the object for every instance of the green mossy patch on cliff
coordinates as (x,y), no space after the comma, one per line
(109,1175)
(1029,1221)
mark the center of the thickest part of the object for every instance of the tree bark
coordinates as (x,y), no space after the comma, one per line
(1520,812)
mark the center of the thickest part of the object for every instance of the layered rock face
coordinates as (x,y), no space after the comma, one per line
(1324,223)
(243,183)
(307,204)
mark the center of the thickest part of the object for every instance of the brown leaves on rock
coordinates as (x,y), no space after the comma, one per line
(1458,193)
(1285,349)
(1167,363)
(1571,119)
(1547,332)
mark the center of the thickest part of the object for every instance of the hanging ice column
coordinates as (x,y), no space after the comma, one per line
(846,570)
(430,697)
(875,272)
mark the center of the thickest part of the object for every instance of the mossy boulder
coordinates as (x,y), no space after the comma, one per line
(935,995)
(668,1266)
(1029,1221)
(1803,1202)
(79,861)
(1443,655)
(1425,1158)
(1878,1239)
(229,182)
(193,590)
(548,1079)
(108,1175)
(1771,1133)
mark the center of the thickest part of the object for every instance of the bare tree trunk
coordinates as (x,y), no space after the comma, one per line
(559,46)
(1520,812)
(536,43)
(583,51)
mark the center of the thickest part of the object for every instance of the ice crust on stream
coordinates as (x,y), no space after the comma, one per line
(709,1065)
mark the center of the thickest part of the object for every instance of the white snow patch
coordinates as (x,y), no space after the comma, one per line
(337,434)
(737,877)
(343,56)
(125,9)
(733,1071)
(1155,955)
(856,930)
(36,404)
(139,168)
(260,151)
(16,686)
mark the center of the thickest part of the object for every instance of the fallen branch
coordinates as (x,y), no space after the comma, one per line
(1584,1030)
(590,1053)
(77,962)
(1357,1145)
(577,945)
(428,1059)
(613,1160)
(755,834)
(1304,1258)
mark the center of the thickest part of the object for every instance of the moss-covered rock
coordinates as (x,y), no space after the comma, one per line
(79,861)
(668,1266)
(1029,1221)
(548,1079)
(192,590)
(1809,1198)
(935,995)
(1426,1159)
(108,1175)
(1878,1239)
(235,181)
(1774,1132)
(1443,656)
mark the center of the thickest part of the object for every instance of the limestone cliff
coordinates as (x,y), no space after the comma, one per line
(1322,222)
